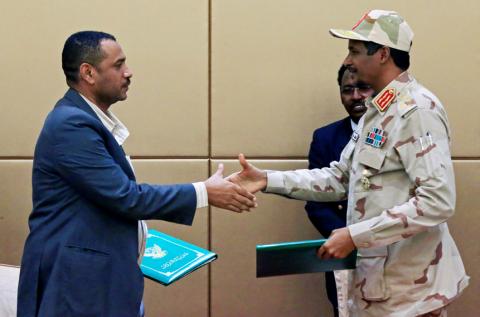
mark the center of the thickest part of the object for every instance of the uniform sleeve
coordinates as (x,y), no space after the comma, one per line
(83,161)
(326,184)
(423,148)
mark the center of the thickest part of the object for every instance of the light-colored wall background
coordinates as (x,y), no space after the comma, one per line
(211,79)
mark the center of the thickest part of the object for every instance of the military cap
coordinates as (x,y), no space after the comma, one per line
(382,27)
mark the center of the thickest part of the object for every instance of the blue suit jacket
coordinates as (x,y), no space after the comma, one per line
(80,258)
(327,145)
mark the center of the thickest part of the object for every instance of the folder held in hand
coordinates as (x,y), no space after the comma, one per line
(298,257)
(168,259)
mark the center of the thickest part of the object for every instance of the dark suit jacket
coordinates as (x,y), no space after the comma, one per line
(327,144)
(80,258)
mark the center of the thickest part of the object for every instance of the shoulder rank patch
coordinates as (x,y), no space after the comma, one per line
(383,101)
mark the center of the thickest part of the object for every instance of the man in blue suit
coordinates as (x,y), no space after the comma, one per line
(327,144)
(81,256)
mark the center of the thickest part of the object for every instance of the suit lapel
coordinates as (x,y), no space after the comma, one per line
(111,144)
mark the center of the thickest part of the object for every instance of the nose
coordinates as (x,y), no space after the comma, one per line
(347,61)
(356,94)
(128,73)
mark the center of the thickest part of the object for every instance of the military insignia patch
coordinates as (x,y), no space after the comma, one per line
(355,136)
(383,101)
(376,138)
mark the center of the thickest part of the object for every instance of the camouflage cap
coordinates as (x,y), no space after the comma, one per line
(381,27)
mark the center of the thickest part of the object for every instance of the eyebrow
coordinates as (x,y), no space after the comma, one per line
(120,60)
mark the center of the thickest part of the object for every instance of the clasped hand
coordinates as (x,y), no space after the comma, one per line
(236,192)
(227,195)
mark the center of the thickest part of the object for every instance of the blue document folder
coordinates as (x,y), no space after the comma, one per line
(298,257)
(167,259)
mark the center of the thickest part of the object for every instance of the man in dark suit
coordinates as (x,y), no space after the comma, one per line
(327,144)
(81,256)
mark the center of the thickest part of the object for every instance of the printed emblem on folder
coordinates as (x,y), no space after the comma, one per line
(167,259)
(155,252)
(383,101)
(376,137)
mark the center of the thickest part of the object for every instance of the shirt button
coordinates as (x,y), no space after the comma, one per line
(340,207)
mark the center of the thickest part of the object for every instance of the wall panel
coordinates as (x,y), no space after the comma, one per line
(236,292)
(273,76)
(274,68)
(167,49)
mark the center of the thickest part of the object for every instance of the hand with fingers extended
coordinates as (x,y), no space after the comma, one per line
(227,195)
(250,177)
(338,246)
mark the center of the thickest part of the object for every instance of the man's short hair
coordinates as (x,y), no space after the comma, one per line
(341,71)
(400,58)
(82,47)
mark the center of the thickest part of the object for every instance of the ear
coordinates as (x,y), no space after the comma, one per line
(86,73)
(384,54)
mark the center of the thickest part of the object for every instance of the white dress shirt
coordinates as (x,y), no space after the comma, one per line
(354,125)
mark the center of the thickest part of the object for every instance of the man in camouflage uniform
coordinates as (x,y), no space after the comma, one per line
(398,175)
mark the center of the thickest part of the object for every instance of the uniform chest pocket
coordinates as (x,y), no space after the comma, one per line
(369,168)
(372,158)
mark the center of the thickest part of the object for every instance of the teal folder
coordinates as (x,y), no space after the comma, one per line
(296,258)
(168,259)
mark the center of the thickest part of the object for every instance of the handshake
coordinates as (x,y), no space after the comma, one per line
(236,192)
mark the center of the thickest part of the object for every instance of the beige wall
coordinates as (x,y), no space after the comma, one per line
(212,78)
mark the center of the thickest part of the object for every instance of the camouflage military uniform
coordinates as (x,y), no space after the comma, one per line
(398,175)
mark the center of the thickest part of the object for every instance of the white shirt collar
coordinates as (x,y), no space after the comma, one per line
(110,121)
(354,125)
